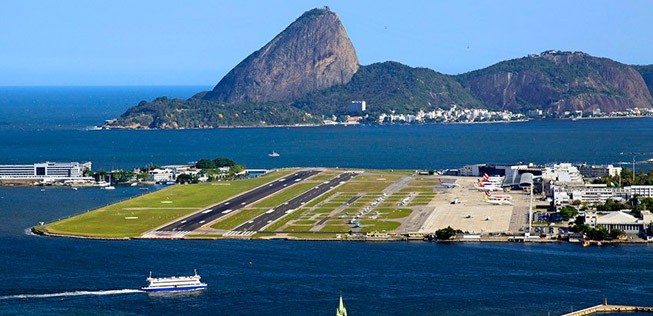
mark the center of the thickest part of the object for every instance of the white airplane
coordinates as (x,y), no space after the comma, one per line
(450,185)
(496,202)
(483,186)
(498,196)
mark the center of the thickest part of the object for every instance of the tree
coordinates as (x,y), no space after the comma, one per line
(568,212)
(445,233)
(616,233)
(223,162)
(205,164)
(598,233)
(186,178)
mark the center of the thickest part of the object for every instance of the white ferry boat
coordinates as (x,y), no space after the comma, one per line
(175,283)
(274,154)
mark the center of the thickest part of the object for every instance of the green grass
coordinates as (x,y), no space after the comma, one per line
(237,219)
(369,186)
(285,195)
(319,199)
(398,213)
(304,222)
(203,236)
(313,236)
(335,229)
(110,221)
(400,172)
(416,189)
(297,228)
(423,183)
(322,210)
(284,220)
(331,205)
(324,177)
(371,177)
(370,226)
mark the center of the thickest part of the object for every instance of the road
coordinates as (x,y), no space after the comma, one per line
(274,214)
(199,219)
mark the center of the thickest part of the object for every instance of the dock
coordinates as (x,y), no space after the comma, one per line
(608,308)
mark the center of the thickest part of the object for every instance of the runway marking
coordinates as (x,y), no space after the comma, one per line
(202,222)
(207,211)
(226,211)
(270,211)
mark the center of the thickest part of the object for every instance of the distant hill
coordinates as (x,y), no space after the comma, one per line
(313,53)
(391,86)
(311,70)
(559,81)
(165,113)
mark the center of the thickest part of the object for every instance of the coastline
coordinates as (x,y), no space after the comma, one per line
(105,127)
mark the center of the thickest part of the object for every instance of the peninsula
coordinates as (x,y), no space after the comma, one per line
(335,204)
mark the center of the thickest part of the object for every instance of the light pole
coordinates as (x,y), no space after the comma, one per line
(635,154)
(526,180)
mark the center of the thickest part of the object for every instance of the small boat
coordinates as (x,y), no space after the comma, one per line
(109,187)
(75,189)
(134,184)
(174,284)
(273,154)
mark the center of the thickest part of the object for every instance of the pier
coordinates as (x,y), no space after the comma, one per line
(607,308)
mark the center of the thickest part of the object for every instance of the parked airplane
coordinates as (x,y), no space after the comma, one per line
(482,186)
(498,196)
(450,185)
(496,202)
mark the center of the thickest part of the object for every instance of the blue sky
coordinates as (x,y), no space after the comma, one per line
(165,42)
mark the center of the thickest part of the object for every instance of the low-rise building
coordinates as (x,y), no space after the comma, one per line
(620,220)
(162,175)
(599,171)
(46,171)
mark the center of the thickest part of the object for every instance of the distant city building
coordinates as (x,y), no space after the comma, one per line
(45,170)
(599,171)
(357,106)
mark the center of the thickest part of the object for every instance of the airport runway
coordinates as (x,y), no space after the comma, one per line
(274,214)
(197,220)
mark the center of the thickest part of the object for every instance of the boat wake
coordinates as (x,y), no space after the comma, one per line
(74,293)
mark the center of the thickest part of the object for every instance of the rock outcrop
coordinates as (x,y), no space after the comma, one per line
(311,54)
(557,82)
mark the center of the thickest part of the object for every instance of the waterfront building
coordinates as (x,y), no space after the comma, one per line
(599,171)
(159,175)
(45,171)
(620,220)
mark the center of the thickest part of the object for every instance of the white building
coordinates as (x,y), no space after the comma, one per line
(620,220)
(564,173)
(599,171)
(45,170)
(587,193)
(159,175)
(640,190)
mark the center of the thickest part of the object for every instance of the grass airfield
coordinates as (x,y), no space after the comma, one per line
(378,200)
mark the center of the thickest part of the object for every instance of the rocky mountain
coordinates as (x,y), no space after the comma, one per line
(647,75)
(559,81)
(311,70)
(311,54)
(391,86)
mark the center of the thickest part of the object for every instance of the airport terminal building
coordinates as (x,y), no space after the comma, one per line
(45,170)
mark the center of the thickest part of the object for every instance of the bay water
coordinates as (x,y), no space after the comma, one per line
(93,277)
